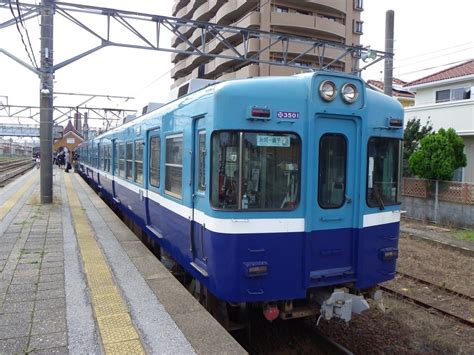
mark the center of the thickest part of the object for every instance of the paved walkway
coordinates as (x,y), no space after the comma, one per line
(435,234)
(74,279)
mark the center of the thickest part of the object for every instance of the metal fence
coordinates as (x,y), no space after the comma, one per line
(450,191)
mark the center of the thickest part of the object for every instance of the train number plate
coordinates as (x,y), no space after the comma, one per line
(286,115)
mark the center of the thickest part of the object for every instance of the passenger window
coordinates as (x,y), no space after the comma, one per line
(138,161)
(174,166)
(332,171)
(155,150)
(103,157)
(129,160)
(121,159)
(202,161)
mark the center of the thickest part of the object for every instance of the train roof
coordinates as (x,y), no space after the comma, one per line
(222,87)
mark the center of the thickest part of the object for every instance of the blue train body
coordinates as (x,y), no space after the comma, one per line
(263,189)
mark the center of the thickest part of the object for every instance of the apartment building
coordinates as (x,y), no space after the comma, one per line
(327,20)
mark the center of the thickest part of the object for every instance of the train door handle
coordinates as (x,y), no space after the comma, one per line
(348,199)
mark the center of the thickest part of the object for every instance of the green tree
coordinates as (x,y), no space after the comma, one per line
(413,134)
(438,156)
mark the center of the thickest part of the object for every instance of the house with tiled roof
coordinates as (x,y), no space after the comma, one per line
(445,99)
(403,95)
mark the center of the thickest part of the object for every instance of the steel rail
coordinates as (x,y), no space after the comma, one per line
(428,306)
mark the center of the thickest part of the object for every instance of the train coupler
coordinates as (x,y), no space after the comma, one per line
(341,304)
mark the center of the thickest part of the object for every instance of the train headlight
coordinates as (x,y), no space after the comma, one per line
(349,93)
(327,90)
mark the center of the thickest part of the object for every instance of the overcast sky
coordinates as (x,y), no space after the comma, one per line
(428,34)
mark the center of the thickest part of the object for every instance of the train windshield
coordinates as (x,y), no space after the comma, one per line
(383,178)
(255,170)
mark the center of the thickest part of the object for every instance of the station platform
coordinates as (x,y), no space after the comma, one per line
(74,279)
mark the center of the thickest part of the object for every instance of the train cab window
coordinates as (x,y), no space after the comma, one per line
(255,170)
(332,171)
(155,149)
(138,177)
(202,161)
(174,166)
(383,172)
(128,160)
(121,154)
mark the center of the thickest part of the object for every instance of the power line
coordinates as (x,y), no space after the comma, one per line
(436,51)
(434,67)
(26,30)
(430,59)
(21,34)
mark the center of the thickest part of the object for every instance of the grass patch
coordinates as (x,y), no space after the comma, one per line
(467,235)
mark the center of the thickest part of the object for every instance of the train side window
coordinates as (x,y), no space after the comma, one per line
(383,172)
(109,158)
(103,157)
(138,172)
(115,158)
(155,149)
(332,170)
(174,166)
(202,161)
(121,154)
(128,160)
(96,157)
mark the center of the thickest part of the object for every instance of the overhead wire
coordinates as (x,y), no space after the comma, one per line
(33,63)
(20,15)
(471,43)
(433,67)
(432,58)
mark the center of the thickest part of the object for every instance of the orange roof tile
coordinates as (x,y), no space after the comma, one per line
(463,69)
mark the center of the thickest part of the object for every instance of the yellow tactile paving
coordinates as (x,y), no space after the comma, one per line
(126,347)
(13,200)
(117,332)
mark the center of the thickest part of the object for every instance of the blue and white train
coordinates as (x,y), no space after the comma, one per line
(281,192)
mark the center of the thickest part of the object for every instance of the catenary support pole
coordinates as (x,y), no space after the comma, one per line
(46,102)
(389,36)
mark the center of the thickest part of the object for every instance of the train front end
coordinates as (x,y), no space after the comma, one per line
(303,212)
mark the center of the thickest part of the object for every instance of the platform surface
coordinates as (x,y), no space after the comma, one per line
(74,279)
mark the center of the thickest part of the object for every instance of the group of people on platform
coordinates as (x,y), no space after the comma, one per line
(65,159)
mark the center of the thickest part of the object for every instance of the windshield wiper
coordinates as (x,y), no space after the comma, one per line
(378,198)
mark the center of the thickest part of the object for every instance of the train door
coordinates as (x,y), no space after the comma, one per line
(153,182)
(199,194)
(333,237)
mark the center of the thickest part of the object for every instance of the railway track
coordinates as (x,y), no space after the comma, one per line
(450,303)
(11,169)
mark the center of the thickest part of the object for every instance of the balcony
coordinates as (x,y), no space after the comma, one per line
(328,5)
(207,10)
(214,46)
(234,9)
(178,6)
(248,71)
(307,25)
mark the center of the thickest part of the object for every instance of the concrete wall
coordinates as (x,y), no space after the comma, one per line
(449,213)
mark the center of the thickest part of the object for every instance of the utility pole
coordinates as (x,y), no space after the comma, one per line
(388,65)
(46,101)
